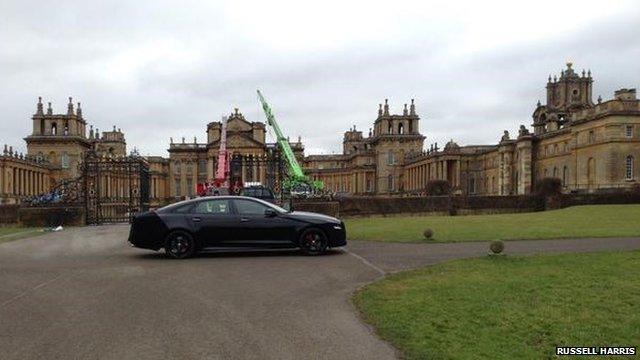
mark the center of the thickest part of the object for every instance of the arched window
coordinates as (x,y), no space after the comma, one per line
(66,128)
(390,128)
(630,167)
(555,172)
(176,167)
(400,128)
(54,129)
(42,126)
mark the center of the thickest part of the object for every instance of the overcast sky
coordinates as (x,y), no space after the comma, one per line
(158,69)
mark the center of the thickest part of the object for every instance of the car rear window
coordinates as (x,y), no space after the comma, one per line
(184,209)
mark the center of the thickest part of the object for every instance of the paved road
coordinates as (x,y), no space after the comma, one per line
(82,293)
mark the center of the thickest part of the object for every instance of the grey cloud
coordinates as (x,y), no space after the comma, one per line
(191,65)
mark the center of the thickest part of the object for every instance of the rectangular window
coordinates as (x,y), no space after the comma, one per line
(390,158)
(64,160)
(630,167)
(592,137)
(629,131)
(177,182)
(390,182)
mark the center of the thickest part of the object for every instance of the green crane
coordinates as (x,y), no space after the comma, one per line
(296,174)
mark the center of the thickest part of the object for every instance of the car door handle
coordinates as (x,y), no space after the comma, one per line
(244,219)
(196,219)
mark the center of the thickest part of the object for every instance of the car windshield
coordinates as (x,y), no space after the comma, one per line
(276,207)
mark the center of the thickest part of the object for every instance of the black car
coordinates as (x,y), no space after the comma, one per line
(187,227)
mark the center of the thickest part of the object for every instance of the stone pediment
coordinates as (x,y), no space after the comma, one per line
(241,141)
(238,124)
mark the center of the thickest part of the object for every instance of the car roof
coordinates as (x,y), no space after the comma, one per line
(212,197)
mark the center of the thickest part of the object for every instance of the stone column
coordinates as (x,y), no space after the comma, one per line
(194,181)
(3,181)
(524,165)
(183,178)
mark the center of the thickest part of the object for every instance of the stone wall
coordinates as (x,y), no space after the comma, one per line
(600,199)
(437,205)
(9,214)
(52,216)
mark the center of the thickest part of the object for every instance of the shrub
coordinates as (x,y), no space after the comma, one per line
(428,234)
(549,187)
(438,188)
(496,247)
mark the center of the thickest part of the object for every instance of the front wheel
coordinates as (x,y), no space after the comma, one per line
(179,245)
(313,242)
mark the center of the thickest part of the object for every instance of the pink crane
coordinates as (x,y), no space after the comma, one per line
(220,184)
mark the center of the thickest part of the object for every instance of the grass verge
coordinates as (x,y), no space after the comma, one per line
(573,222)
(9,233)
(503,307)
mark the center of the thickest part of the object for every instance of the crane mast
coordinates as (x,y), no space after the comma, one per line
(222,171)
(220,183)
(296,174)
(294,168)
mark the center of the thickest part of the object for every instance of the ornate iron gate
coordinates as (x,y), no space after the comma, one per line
(115,188)
(269,167)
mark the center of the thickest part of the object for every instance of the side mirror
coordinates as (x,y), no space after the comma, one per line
(270,213)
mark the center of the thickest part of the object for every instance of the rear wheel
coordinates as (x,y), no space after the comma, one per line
(179,245)
(313,242)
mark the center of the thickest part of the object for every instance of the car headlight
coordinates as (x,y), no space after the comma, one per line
(337,227)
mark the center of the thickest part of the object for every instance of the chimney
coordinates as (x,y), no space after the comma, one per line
(70,106)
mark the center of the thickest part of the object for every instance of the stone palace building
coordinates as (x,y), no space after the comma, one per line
(591,146)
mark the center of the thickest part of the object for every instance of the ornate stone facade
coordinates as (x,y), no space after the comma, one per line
(191,162)
(590,146)
(55,148)
(375,164)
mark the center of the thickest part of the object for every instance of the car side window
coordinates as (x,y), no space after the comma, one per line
(248,207)
(214,207)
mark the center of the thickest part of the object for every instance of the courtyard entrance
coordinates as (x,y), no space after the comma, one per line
(114,189)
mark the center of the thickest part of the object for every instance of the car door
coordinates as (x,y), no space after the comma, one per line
(214,222)
(259,229)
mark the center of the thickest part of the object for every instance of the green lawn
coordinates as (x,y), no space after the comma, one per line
(573,222)
(8,233)
(508,307)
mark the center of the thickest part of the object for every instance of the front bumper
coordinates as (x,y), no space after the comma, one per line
(337,235)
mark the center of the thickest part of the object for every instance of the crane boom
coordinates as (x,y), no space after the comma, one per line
(222,171)
(295,170)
